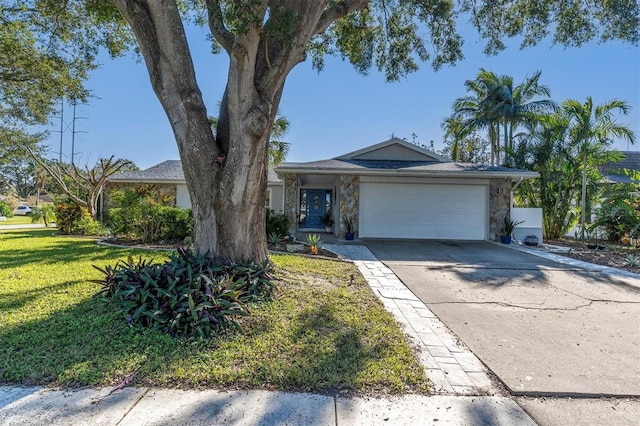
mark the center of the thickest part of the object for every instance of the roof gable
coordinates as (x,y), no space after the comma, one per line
(393,150)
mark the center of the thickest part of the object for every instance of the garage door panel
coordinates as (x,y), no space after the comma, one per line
(393,210)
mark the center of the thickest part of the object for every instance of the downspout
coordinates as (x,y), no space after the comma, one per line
(513,189)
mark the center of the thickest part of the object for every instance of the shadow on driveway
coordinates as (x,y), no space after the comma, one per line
(543,327)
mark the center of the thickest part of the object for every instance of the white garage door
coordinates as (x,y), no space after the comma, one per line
(399,210)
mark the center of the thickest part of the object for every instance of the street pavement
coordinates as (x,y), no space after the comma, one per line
(152,406)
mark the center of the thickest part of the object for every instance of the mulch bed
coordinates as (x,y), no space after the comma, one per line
(173,245)
(603,253)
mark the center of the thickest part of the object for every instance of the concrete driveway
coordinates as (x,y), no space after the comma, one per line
(543,327)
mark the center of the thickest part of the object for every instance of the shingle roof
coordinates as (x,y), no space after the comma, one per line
(614,171)
(168,171)
(410,160)
(385,166)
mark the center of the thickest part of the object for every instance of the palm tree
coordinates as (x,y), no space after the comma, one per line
(591,131)
(495,103)
(545,148)
(278,150)
(462,144)
(478,109)
(519,107)
(41,177)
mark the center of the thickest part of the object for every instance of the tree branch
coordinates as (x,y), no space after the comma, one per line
(56,175)
(217,27)
(338,11)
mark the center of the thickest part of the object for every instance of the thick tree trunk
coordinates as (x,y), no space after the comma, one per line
(227,174)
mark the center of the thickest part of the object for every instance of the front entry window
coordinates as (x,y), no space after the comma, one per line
(313,205)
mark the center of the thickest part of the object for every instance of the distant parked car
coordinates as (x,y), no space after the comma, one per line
(22,210)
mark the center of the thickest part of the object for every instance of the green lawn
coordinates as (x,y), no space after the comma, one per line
(17,220)
(320,334)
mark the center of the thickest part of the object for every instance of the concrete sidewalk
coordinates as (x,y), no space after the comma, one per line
(144,406)
(24,226)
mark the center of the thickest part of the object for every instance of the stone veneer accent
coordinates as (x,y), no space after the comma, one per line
(349,201)
(499,205)
(291,191)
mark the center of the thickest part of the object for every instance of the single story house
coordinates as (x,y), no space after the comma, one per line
(396,189)
(168,177)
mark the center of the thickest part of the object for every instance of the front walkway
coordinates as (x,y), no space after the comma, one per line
(452,368)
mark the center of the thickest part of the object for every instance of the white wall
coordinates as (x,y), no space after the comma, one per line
(182,197)
(531,225)
(276,201)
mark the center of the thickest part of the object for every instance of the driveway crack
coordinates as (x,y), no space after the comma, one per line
(533,308)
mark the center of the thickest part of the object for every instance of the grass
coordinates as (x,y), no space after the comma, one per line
(17,220)
(320,333)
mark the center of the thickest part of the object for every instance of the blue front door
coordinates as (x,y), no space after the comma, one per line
(316,207)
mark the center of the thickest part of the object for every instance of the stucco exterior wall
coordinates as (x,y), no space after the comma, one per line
(276,201)
(499,205)
(183,200)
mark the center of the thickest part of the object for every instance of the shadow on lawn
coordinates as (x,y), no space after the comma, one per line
(86,344)
(18,299)
(42,351)
(60,249)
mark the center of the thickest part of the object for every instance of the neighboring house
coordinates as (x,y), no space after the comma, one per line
(614,172)
(396,189)
(168,177)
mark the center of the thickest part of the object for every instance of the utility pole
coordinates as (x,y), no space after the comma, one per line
(73,132)
(62,129)
(61,124)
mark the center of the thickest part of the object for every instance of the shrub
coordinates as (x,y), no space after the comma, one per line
(69,216)
(140,213)
(89,226)
(189,295)
(618,216)
(45,214)
(5,210)
(277,223)
(177,223)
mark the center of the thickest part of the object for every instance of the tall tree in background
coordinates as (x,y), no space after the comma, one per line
(518,106)
(546,149)
(278,150)
(479,110)
(592,129)
(47,49)
(265,39)
(494,103)
(84,186)
(463,145)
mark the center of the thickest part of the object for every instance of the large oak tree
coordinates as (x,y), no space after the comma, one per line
(265,39)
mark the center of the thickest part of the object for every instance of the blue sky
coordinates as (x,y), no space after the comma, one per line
(338,111)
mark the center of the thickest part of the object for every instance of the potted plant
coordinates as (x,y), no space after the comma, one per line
(327,221)
(507,228)
(349,228)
